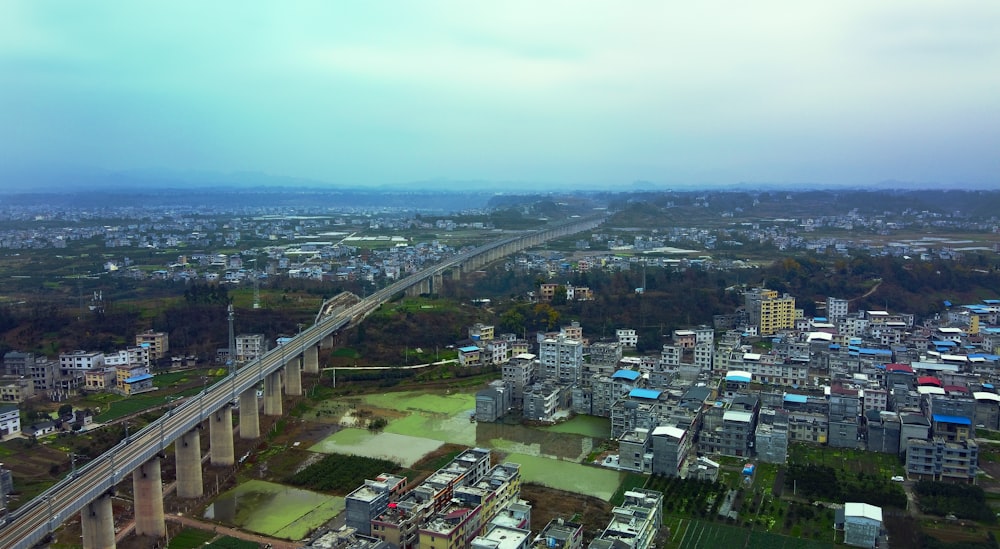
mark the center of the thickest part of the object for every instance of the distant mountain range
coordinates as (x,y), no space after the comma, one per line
(69,178)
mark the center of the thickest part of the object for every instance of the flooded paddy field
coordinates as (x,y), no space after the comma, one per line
(568,476)
(403,449)
(274,509)
(418,424)
(588,426)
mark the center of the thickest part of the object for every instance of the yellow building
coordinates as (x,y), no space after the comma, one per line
(776,313)
(158,343)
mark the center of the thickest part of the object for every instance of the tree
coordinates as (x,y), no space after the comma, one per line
(65,410)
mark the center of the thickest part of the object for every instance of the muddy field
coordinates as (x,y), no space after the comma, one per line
(548,504)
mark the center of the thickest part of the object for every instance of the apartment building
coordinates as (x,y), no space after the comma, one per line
(158,343)
(249,347)
(938,459)
(80,361)
(769,312)
(560,359)
(671,447)
(131,355)
(479,332)
(16,388)
(728,428)
(518,373)
(10,420)
(627,338)
(634,524)
(370,500)
(559,534)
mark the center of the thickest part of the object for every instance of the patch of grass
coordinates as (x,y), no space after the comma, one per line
(233,543)
(631,481)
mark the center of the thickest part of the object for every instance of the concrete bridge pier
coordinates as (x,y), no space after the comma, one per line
(187,453)
(310,358)
(293,376)
(249,415)
(326,342)
(98,524)
(272,394)
(147,493)
(220,435)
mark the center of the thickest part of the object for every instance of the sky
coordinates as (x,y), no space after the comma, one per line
(573,94)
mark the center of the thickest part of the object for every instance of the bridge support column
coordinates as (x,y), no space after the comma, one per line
(187,454)
(272,394)
(249,416)
(293,376)
(326,342)
(220,433)
(310,357)
(98,524)
(147,492)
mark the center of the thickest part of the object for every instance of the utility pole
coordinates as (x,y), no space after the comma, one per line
(232,341)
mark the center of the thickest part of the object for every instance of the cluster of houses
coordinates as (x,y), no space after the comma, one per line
(869,380)
(471,503)
(26,375)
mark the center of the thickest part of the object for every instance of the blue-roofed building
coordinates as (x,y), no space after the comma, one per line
(138,384)
(650,394)
(952,428)
(794,398)
(470,355)
(629,375)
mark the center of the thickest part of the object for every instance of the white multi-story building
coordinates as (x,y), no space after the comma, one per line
(249,347)
(561,359)
(80,361)
(132,355)
(10,420)
(627,338)
(836,309)
(497,352)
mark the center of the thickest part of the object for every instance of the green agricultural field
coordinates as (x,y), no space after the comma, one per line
(412,401)
(698,534)
(854,461)
(190,538)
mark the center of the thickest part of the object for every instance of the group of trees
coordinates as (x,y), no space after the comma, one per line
(826,483)
(962,500)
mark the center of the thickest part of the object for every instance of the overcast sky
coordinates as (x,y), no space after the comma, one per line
(545,92)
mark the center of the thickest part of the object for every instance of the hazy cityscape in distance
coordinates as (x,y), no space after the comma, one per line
(447,275)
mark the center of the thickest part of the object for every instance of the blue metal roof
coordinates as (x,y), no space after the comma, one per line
(944,343)
(952,419)
(630,375)
(885,352)
(987,385)
(834,346)
(141,377)
(992,301)
(801,399)
(739,378)
(469,349)
(644,393)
